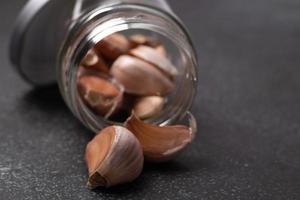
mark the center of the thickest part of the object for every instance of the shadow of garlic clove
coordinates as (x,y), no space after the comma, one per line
(160,143)
(113,157)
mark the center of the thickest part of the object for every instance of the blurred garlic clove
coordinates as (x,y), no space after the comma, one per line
(148,107)
(153,57)
(161,50)
(90,58)
(139,39)
(113,46)
(140,78)
(160,143)
(98,84)
(101,95)
(113,157)
(94,62)
(83,71)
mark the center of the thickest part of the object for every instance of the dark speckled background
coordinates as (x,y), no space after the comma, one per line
(248,112)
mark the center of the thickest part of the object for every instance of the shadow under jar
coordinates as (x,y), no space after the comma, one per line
(111,57)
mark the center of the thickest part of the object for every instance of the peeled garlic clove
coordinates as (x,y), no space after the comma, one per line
(94,62)
(113,157)
(140,77)
(160,143)
(152,56)
(148,107)
(100,94)
(113,46)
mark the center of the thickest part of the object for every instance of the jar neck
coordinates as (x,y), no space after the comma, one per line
(94,26)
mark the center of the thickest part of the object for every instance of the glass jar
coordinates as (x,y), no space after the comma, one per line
(52,37)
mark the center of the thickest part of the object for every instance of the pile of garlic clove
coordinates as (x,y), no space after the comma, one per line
(128,79)
(121,74)
(116,154)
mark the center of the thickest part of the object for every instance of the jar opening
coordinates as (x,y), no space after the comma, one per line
(146,66)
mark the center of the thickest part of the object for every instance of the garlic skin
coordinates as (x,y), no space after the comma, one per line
(113,157)
(148,107)
(160,144)
(140,78)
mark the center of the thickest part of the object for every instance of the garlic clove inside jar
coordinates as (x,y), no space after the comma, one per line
(147,67)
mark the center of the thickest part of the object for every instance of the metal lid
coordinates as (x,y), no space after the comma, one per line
(23,45)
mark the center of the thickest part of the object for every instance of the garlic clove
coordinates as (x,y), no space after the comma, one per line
(90,58)
(113,157)
(93,61)
(160,143)
(100,94)
(155,58)
(98,148)
(83,71)
(113,46)
(161,50)
(139,39)
(148,107)
(88,83)
(140,78)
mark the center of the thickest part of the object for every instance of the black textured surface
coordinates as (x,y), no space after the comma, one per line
(248,112)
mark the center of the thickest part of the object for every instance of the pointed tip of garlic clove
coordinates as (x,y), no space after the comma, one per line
(113,157)
(96,180)
(159,143)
